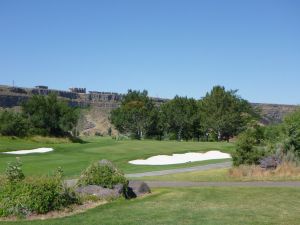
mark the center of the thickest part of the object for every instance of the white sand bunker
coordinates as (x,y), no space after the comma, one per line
(181,158)
(25,152)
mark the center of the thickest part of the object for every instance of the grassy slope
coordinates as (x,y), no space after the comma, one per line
(214,175)
(195,206)
(74,157)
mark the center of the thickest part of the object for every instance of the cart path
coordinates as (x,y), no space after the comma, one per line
(178,184)
(181,170)
(167,172)
(157,184)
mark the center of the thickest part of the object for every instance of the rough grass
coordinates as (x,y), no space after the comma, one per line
(49,140)
(213,206)
(14,143)
(285,172)
(74,157)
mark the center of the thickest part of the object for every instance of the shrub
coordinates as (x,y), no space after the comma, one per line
(20,196)
(34,195)
(274,133)
(102,174)
(292,133)
(246,150)
(14,171)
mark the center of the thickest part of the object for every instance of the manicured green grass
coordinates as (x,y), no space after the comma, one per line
(194,206)
(214,175)
(74,157)
(197,176)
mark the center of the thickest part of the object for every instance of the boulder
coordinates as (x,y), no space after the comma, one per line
(137,188)
(119,188)
(270,162)
(100,192)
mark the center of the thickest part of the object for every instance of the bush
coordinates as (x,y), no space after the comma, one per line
(20,196)
(14,171)
(34,195)
(274,133)
(292,133)
(102,174)
(247,151)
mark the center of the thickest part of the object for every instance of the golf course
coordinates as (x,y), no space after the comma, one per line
(74,157)
(132,112)
(170,205)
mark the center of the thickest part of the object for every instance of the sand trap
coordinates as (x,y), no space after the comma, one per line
(181,158)
(25,152)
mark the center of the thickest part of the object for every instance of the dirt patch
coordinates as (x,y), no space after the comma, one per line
(94,121)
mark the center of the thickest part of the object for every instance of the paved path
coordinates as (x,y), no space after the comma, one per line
(154,184)
(181,170)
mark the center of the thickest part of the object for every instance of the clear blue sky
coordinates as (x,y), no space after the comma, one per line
(165,46)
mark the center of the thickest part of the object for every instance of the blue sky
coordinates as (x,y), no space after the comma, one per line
(168,47)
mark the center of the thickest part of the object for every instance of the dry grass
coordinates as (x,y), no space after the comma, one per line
(285,170)
(2,179)
(49,140)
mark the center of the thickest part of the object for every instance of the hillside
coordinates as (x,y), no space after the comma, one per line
(274,113)
(98,105)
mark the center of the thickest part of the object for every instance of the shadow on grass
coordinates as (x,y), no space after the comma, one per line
(77,140)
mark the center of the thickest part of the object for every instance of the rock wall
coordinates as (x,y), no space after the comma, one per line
(15,96)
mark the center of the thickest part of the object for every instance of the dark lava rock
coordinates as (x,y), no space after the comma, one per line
(119,188)
(270,162)
(137,188)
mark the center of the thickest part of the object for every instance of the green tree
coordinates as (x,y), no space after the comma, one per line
(134,114)
(181,117)
(49,115)
(248,149)
(291,126)
(156,127)
(13,124)
(224,113)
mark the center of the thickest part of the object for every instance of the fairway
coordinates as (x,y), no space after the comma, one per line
(194,206)
(74,157)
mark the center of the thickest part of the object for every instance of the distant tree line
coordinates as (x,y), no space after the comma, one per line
(220,115)
(41,115)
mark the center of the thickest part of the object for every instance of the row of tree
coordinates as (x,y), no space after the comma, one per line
(220,115)
(41,115)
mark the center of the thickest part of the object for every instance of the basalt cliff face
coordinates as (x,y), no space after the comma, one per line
(98,105)
(274,113)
